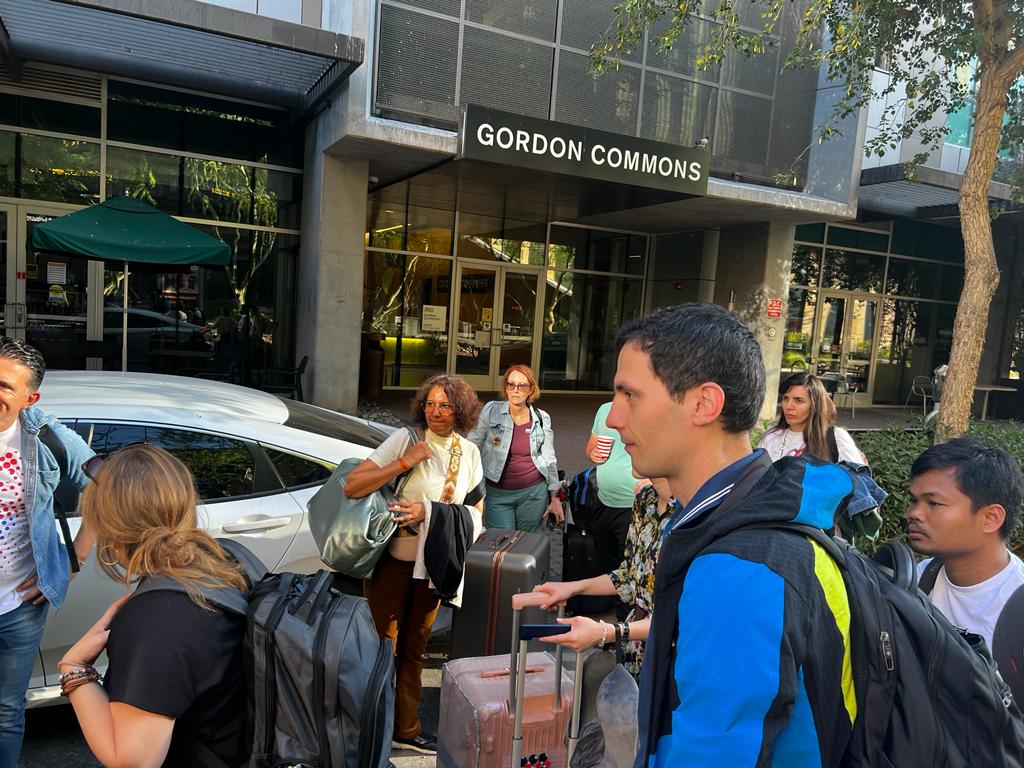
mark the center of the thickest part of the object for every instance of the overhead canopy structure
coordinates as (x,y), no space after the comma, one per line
(127,229)
(186,43)
(124,229)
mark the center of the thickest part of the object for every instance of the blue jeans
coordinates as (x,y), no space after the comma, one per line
(20,633)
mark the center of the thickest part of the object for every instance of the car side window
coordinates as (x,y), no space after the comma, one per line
(297,471)
(224,468)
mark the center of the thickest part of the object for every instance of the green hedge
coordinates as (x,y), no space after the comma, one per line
(890,453)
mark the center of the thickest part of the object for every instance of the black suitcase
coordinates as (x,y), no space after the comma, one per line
(579,561)
(500,564)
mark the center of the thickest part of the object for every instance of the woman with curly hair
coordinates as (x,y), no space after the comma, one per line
(441,467)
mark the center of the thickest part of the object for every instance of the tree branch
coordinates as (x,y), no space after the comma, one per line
(1012,66)
(983,13)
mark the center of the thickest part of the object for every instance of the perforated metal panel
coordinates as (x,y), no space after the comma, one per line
(755,73)
(676,110)
(506,73)
(447,7)
(533,18)
(741,135)
(682,58)
(608,102)
(585,21)
(417,63)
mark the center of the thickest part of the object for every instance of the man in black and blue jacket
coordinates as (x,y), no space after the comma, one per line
(749,659)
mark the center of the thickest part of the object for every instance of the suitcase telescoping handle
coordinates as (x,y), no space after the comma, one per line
(517,676)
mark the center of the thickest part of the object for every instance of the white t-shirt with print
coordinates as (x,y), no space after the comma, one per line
(976,608)
(16,561)
(786,442)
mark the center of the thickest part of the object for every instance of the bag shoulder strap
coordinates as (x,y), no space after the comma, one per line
(931,572)
(65,496)
(833,446)
(229,599)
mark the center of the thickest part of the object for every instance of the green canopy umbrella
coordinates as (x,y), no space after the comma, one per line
(126,229)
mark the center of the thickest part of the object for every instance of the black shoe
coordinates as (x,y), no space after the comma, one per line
(424,743)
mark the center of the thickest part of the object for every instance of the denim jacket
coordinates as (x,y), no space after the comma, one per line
(42,476)
(493,436)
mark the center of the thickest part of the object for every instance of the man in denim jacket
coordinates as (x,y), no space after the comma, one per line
(34,564)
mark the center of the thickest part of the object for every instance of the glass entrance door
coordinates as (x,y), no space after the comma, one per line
(495,322)
(845,339)
(47,296)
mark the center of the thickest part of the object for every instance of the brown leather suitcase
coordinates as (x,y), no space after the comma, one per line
(493,705)
(500,564)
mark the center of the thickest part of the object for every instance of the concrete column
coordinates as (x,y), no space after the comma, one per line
(754,263)
(330,285)
(708,265)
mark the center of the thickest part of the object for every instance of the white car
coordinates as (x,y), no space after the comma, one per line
(257,459)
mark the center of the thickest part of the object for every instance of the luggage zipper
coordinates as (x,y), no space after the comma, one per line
(270,671)
(371,720)
(319,673)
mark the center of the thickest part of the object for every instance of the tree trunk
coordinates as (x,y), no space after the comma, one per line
(981,272)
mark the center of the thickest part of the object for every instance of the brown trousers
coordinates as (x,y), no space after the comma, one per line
(403,610)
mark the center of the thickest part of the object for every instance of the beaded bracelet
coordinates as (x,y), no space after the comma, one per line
(625,631)
(604,632)
(403,464)
(69,681)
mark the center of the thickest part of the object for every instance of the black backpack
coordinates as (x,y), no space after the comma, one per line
(583,497)
(320,680)
(928,694)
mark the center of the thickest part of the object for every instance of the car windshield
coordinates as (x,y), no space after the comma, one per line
(320,421)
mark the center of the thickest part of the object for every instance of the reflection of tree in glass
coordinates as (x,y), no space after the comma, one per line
(62,170)
(224,192)
(559,280)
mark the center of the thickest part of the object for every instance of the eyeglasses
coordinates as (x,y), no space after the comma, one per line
(516,387)
(92,466)
(430,405)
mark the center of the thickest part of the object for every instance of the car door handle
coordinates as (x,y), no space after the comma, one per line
(251,526)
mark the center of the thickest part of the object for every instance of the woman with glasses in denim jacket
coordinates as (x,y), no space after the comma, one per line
(517,447)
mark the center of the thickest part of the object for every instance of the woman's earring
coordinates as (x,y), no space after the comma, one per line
(109,563)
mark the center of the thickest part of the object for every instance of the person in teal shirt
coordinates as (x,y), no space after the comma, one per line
(615,483)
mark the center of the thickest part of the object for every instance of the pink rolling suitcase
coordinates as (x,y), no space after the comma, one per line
(508,711)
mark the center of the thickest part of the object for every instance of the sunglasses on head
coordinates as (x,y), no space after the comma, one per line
(92,466)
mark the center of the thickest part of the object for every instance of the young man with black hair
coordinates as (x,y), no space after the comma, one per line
(749,658)
(965,499)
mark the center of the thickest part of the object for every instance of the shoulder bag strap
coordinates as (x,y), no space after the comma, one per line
(931,572)
(454,462)
(833,446)
(65,495)
(399,483)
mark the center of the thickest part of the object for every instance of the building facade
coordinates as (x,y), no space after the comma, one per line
(344,156)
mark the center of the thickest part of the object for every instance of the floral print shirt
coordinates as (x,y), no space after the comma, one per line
(634,578)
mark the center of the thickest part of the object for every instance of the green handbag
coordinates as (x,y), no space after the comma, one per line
(352,534)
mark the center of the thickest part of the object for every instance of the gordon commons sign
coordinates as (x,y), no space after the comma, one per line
(542,145)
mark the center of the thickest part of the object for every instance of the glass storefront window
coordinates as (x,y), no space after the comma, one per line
(915,339)
(796,344)
(582,313)
(47,115)
(8,153)
(58,170)
(806,265)
(853,271)
(925,280)
(150,176)
(578,248)
(430,230)
(140,114)
(496,239)
(406,298)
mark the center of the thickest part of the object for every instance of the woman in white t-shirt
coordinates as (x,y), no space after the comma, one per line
(445,468)
(807,419)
